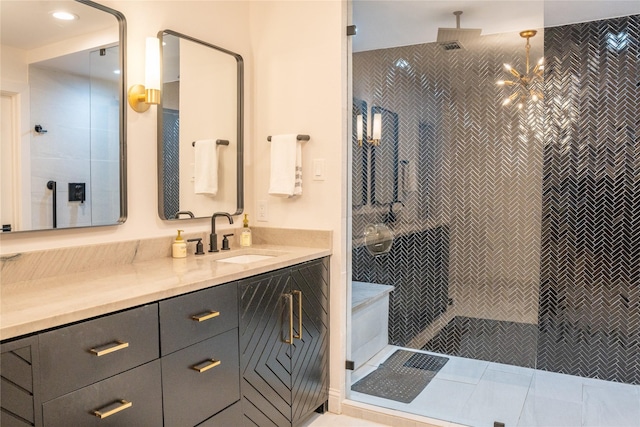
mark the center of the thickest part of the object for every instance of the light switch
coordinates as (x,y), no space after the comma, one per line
(318,169)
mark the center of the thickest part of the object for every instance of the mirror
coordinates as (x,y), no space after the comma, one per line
(200,120)
(62,154)
(384,160)
(379,177)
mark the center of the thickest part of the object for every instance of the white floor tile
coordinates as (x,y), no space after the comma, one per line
(610,406)
(462,370)
(562,387)
(477,393)
(499,396)
(540,411)
(443,399)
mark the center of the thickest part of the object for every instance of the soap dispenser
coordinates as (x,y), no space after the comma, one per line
(179,247)
(245,236)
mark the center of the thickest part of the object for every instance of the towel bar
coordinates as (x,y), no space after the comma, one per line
(299,138)
(218,142)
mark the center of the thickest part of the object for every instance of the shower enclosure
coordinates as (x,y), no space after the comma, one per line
(517,231)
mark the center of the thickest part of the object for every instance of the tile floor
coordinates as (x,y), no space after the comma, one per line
(477,393)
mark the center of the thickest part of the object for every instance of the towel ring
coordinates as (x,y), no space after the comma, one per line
(299,138)
(218,142)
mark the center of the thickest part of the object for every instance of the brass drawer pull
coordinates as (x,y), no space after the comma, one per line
(113,408)
(205,366)
(289,298)
(109,348)
(299,334)
(205,316)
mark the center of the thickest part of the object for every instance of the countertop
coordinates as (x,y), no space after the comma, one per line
(33,305)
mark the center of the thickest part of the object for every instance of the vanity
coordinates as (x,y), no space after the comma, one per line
(174,342)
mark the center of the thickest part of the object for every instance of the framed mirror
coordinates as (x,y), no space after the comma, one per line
(63,148)
(384,160)
(200,129)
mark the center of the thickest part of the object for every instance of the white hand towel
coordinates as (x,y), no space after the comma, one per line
(206,167)
(286,166)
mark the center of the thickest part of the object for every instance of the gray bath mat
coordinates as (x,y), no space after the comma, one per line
(402,376)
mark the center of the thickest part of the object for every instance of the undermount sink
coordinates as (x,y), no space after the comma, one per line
(245,258)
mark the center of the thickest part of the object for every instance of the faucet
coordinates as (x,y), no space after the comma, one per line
(213,237)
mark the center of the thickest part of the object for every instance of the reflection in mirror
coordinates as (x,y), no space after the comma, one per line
(200,139)
(62,147)
(384,160)
(360,151)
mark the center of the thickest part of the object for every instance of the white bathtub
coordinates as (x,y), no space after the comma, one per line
(369,320)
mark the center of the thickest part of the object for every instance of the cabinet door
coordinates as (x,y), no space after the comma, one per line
(139,388)
(265,357)
(19,398)
(310,358)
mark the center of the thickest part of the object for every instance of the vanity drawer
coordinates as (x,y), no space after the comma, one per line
(190,396)
(141,387)
(82,354)
(194,317)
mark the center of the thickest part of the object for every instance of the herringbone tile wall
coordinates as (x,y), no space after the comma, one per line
(590,275)
(469,182)
(509,216)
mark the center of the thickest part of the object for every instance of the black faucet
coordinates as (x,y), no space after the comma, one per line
(213,237)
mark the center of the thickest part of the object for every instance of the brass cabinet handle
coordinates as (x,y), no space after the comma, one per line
(205,316)
(299,334)
(109,348)
(290,301)
(205,366)
(112,408)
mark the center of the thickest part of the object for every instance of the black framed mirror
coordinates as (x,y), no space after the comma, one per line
(200,129)
(63,153)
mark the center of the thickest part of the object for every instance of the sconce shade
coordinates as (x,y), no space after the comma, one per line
(152,64)
(359,128)
(376,134)
(142,96)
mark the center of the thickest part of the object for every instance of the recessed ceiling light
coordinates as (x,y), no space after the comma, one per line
(116,71)
(65,16)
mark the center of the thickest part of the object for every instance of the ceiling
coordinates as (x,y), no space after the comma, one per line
(28,25)
(390,23)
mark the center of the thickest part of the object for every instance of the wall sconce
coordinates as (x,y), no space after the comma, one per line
(142,96)
(376,135)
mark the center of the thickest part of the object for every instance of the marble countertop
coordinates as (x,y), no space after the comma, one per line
(32,305)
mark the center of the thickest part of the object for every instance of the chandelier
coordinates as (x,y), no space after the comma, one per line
(528,85)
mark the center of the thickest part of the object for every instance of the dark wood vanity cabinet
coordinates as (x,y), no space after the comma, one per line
(253,352)
(284,344)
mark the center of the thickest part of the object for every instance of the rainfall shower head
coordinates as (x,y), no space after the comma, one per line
(456,38)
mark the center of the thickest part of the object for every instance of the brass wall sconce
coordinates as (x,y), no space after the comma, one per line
(376,134)
(141,97)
